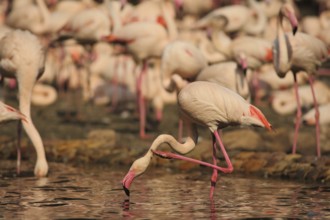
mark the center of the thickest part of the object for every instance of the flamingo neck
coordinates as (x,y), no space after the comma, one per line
(284,51)
(169,20)
(221,42)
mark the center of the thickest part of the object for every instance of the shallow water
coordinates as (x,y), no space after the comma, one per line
(95,193)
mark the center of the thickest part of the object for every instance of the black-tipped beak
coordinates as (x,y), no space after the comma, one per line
(126,191)
(294,30)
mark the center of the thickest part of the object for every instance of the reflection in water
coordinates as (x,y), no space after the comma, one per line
(95,193)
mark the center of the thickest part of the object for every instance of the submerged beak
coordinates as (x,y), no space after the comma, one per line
(127,181)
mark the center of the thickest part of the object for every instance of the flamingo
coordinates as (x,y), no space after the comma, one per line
(181,58)
(239,18)
(296,52)
(283,102)
(143,45)
(210,105)
(228,74)
(184,60)
(22,57)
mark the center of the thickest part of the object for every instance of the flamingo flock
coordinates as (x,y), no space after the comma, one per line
(209,57)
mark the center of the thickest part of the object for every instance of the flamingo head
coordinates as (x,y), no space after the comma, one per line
(255,118)
(287,11)
(138,167)
(178,5)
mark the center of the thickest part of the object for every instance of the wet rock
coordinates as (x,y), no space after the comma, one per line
(103,134)
(254,164)
(242,139)
(98,146)
(7,146)
(277,141)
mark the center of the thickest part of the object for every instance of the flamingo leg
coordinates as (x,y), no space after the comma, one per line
(180,129)
(317,117)
(256,88)
(19,155)
(298,115)
(229,169)
(215,172)
(114,82)
(141,101)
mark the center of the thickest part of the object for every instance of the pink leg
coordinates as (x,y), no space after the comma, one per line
(159,114)
(215,172)
(256,88)
(229,169)
(323,72)
(19,156)
(114,82)
(141,104)
(298,115)
(317,117)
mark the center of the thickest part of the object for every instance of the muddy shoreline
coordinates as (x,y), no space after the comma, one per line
(83,134)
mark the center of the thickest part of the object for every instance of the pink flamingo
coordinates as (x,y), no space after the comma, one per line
(298,52)
(22,57)
(210,105)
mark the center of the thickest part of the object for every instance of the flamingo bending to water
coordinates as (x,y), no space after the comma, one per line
(210,105)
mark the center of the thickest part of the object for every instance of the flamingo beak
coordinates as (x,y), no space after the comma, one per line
(122,4)
(127,181)
(294,22)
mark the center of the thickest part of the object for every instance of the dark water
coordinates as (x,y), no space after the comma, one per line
(95,193)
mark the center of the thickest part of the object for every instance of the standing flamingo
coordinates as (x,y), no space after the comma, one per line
(210,105)
(296,52)
(144,40)
(22,57)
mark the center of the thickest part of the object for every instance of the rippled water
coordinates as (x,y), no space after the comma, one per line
(95,193)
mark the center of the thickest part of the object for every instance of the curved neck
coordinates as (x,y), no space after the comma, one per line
(282,45)
(182,148)
(221,42)
(169,19)
(176,83)
(242,86)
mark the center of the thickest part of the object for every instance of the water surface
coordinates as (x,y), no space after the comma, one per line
(95,193)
